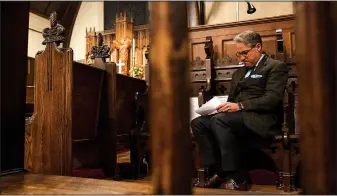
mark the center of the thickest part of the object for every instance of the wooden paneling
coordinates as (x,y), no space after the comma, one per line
(225,60)
(223,35)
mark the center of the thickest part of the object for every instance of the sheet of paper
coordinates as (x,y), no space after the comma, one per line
(193,106)
(209,107)
(222,99)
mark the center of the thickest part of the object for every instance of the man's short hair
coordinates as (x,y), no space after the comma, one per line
(250,38)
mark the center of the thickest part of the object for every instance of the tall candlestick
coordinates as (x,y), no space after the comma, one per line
(133,53)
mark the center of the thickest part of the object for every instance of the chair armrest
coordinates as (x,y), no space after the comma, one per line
(204,96)
(142,112)
(141,100)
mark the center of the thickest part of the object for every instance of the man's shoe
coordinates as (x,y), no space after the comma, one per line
(214,182)
(232,184)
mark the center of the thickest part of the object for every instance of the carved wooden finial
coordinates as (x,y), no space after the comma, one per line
(55,33)
(209,47)
(100,51)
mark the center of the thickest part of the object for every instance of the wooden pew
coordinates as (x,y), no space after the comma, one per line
(30,87)
(63,132)
(120,115)
(215,81)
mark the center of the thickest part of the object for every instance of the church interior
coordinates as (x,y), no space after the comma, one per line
(98,97)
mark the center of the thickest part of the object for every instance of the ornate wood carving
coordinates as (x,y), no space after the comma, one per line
(55,33)
(209,47)
(198,63)
(100,51)
(226,60)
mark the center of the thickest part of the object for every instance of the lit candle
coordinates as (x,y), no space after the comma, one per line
(120,64)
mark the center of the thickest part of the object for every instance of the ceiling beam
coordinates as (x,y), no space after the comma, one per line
(68,20)
(45,11)
(34,11)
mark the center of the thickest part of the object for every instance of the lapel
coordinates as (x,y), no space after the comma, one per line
(261,65)
(239,76)
(242,72)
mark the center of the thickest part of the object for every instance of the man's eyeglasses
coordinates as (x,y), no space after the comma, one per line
(243,53)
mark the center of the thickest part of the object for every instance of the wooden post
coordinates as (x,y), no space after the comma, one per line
(316,51)
(14,20)
(169,99)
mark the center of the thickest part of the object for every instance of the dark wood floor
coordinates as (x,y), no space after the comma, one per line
(47,184)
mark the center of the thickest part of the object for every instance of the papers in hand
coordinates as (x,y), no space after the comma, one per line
(209,107)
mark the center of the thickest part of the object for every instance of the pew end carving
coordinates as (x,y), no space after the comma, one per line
(64,123)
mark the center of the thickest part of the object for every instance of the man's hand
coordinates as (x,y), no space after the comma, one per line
(228,107)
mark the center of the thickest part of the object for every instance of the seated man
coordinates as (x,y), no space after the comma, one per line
(252,115)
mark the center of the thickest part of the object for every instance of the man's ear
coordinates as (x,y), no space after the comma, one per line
(259,47)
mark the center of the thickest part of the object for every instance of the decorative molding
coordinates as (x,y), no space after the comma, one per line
(141,27)
(35,30)
(243,23)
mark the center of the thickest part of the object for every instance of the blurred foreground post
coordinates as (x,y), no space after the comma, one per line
(169,95)
(316,49)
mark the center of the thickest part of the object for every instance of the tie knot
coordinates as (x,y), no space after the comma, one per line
(251,68)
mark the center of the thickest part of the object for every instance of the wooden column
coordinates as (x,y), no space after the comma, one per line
(201,12)
(68,21)
(14,41)
(169,101)
(316,51)
(193,13)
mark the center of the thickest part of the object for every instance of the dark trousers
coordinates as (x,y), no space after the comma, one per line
(222,138)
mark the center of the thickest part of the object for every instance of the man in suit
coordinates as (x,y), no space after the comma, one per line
(252,114)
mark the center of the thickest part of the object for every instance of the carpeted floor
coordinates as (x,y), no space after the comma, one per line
(258,176)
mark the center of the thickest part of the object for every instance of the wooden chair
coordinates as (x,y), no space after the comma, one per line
(284,149)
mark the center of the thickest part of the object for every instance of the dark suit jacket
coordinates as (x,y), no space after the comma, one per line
(261,95)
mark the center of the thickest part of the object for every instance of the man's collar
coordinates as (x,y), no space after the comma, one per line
(257,63)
